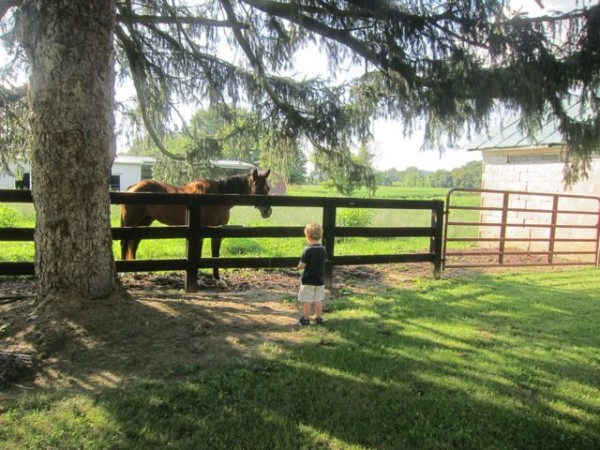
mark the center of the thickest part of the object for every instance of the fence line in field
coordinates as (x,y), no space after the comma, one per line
(193,234)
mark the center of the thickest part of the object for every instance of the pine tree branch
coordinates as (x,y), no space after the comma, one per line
(255,62)
(12,95)
(572,15)
(5,5)
(136,63)
(174,20)
(290,12)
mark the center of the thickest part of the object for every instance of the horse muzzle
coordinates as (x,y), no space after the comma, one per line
(265,211)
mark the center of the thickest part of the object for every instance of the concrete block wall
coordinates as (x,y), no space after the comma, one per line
(534,173)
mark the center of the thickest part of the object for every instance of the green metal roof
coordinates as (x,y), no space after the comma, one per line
(513,136)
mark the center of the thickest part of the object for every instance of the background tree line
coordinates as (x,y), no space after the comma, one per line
(206,138)
(467,176)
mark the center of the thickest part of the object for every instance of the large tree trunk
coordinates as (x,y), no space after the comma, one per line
(69,44)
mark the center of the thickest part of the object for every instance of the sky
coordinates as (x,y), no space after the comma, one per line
(392,149)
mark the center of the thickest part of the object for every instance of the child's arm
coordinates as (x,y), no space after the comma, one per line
(301,265)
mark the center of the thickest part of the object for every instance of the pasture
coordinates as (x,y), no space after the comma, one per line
(492,360)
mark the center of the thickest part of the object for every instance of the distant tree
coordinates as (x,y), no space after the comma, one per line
(209,137)
(388,177)
(382,179)
(297,170)
(284,156)
(348,173)
(439,178)
(468,176)
(412,177)
(315,176)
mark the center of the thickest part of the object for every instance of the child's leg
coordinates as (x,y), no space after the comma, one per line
(318,309)
(306,308)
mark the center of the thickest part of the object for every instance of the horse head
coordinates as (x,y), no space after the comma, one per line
(259,185)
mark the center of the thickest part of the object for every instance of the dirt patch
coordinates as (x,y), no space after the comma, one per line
(114,341)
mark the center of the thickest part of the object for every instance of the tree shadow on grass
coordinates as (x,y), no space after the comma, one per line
(340,393)
(467,364)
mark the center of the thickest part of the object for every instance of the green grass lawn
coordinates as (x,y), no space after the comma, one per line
(495,361)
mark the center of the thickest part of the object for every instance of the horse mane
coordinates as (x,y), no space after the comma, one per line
(234,184)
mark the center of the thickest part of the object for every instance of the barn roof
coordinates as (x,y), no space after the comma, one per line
(131,159)
(514,136)
(232,164)
(221,163)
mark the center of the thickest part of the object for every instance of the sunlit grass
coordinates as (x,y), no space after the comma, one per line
(508,360)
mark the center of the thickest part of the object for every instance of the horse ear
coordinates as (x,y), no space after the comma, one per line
(267,173)
(255,173)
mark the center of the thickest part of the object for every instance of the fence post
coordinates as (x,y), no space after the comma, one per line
(435,242)
(502,243)
(192,247)
(598,235)
(553,221)
(329,240)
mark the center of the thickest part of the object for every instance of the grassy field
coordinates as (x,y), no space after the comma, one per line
(22,215)
(495,361)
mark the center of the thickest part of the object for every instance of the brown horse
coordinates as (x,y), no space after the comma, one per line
(210,215)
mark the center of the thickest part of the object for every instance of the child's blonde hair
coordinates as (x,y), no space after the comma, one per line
(313,231)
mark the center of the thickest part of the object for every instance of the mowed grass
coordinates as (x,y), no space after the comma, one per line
(284,216)
(494,361)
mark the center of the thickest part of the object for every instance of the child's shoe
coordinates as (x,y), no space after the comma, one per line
(319,321)
(303,322)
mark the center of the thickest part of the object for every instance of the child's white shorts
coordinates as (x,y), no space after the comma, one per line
(309,294)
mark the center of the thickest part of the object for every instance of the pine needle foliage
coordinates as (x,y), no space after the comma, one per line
(449,65)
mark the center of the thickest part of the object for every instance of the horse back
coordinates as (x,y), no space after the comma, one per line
(210,215)
(201,187)
(152,186)
(174,214)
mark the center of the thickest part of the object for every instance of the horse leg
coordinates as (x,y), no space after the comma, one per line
(124,248)
(129,246)
(215,245)
(200,242)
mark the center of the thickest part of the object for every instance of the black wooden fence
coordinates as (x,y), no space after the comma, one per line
(193,234)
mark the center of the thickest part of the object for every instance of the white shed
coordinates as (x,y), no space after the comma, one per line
(514,161)
(127,170)
(17,176)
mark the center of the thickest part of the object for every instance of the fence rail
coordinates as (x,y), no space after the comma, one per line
(518,228)
(193,234)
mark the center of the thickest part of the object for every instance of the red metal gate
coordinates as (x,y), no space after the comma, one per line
(518,228)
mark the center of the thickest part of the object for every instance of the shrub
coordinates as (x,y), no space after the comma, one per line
(8,216)
(354,217)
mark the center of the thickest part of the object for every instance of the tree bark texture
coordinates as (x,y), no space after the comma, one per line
(69,44)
